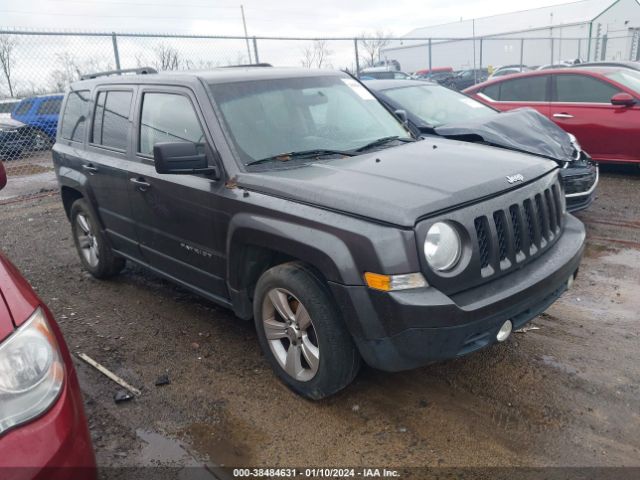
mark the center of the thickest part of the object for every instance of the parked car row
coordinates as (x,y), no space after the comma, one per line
(446,76)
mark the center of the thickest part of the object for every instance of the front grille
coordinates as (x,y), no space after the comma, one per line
(522,230)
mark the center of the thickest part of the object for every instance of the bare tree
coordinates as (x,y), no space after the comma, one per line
(167,57)
(316,55)
(372,45)
(7,60)
(68,71)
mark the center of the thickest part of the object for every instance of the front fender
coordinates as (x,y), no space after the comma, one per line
(324,250)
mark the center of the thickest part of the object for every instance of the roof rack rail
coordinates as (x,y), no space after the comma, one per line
(140,71)
(247,65)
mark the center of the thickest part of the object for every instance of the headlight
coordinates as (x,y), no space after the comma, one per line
(442,247)
(31,372)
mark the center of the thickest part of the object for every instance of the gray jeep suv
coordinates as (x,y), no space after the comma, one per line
(295,198)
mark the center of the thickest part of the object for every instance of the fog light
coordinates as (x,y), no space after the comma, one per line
(570,281)
(505,331)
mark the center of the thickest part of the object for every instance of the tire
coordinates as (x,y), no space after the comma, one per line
(93,247)
(313,353)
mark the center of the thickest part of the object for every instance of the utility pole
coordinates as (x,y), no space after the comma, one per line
(246,35)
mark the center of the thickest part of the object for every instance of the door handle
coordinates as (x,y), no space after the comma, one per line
(90,168)
(140,184)
(562,115)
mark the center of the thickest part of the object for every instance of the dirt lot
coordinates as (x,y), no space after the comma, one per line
(565,395)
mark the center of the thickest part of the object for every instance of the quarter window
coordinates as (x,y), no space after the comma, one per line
(111,119)
(529,89)
(167,117)
(583,89)
(75,116)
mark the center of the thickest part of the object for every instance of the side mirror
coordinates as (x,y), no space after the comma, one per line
(3,176)
(623,99)
(402,115)
(181,158)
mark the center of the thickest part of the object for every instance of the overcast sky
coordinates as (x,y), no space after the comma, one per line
(271,17)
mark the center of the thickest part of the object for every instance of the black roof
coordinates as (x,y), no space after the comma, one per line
(216,75)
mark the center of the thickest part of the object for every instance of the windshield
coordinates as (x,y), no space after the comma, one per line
(628,78)
(267,118)
(436,105)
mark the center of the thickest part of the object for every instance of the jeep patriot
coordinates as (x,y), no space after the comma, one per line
(296,199)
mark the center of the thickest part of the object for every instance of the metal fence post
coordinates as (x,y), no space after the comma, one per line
(521,53)
(116,54)
(481,42)
(255,50)
(430,62)
(355,46)
(603,55)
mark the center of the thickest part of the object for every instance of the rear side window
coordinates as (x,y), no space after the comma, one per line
(583,89)
(111,119)
(24,107)
(492,91)
(74,118)
(50,106)
(167,117)
(529,89)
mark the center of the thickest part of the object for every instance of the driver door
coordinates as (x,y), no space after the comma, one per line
(179,217)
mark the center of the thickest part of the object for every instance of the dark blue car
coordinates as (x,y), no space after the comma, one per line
(41,115)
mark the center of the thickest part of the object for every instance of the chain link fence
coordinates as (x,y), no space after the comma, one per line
(37,67)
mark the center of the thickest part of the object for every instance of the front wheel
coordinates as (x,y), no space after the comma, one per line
(302,333)
(92,245)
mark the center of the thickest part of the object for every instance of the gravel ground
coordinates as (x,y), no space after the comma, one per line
(564,395)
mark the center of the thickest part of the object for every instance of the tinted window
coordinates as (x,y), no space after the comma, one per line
(111,119)
(50,106)
(167,117)
(530,89)
(24,107)
(75,115)
(492,91)
(580,88)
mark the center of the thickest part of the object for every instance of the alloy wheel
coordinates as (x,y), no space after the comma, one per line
(87,240)
(291,335)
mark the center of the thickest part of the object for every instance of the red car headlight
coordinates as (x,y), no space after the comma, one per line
(31,372)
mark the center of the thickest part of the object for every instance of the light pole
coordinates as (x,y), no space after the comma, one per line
(246,36)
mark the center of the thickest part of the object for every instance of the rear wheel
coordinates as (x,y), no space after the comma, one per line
(92,245)
(301,332)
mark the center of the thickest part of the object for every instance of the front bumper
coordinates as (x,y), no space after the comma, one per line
(55,446)
(406,329)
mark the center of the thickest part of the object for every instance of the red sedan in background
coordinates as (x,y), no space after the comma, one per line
(600,106)
(43,428)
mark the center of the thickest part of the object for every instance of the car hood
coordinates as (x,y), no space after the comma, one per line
(523,129)
(399,185)
(10,124)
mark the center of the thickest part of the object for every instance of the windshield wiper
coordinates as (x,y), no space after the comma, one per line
(382,141)
(316,153)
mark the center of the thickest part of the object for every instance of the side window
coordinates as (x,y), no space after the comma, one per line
(50,106)
(111,119)
(167,117)
(74,118)
(583,89)
(24,107)
(529,89)
(492,91)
